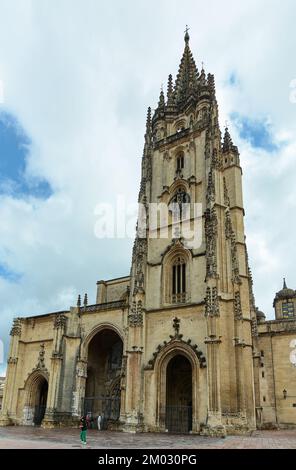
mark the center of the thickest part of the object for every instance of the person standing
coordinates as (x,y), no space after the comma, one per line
(88,421)
(83,429)
(99,422)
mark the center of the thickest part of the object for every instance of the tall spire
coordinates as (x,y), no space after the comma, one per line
(285,285)
(186,80)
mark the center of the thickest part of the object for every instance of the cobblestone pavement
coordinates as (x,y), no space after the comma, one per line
(37,438)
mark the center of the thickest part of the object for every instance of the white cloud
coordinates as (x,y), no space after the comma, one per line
(79,79)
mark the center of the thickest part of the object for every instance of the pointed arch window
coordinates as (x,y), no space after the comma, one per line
(180,162)
(179,280)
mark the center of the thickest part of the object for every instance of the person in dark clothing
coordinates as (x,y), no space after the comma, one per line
(83,429)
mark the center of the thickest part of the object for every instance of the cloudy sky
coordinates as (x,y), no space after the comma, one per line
(76,78)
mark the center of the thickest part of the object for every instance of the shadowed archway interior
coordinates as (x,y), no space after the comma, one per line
(102,391)
(179,395)
(40,400)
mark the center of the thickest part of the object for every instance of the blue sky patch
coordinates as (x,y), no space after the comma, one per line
(257,132)
(14,148)
(233,79)
(8,274)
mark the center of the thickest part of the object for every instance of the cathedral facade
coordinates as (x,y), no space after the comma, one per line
(178,345)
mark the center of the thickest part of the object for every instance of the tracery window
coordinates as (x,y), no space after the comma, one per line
(179,280)
(288,309)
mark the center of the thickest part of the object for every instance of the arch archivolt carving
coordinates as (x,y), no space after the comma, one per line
(32,385)
(94,331)
(178,184)
(177,345)
(174,348)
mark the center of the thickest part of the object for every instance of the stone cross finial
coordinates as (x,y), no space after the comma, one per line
(186,37)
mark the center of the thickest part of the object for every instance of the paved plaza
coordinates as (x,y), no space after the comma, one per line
(38,438)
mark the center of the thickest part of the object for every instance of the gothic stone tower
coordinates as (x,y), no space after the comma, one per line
(192,308)
(170,346)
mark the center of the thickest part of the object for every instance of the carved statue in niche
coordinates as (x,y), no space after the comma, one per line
(176,204)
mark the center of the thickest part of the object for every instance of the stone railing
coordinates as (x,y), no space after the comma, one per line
(104,306)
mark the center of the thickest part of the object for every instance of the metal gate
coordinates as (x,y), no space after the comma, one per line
(106,407)
(39,413)
(178,419)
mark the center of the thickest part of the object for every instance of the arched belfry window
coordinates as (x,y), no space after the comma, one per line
(179,280)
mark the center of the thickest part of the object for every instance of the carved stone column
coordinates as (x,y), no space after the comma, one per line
(214,424)
(239,359)
(50,418)
(9,398)
(133,413)
(79,393)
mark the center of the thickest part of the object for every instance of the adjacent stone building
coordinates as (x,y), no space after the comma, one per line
(2,380)
(178,345)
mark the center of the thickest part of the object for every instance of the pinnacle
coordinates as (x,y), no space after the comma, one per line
(161,102)
(148,120)
(227,141)
(170,91)
(170,86)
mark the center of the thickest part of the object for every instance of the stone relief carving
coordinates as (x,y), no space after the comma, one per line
(177,337)
(211,226)
(16,329)
(216,160)
(212,302)
(135,318)
(139,256)
(230,235)
(211,192)
(41,363)
(238,315)
(225,191)
(60,321)
(81,369)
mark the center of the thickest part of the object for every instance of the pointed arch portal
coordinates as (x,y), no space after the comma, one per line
(178,414)
(102,389)
(37,391)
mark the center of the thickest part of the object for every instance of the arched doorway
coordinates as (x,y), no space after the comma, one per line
(179,395)
(102,389)
(40,401)
(36,399)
